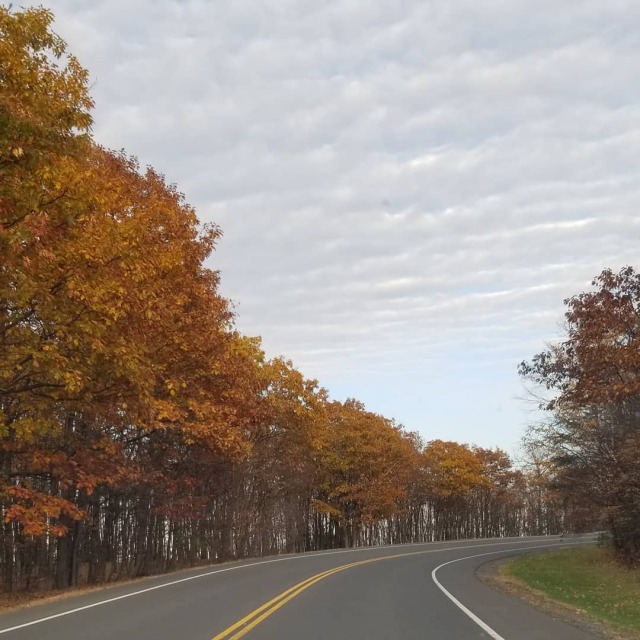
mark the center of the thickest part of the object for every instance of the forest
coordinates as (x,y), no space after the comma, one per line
(140,432)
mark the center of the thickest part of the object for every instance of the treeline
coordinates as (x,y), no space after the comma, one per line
(139,431)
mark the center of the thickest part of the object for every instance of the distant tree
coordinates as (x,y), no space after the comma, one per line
(594,436)
(454,473)
(365,467)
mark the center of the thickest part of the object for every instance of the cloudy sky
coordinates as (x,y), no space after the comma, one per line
(408,190)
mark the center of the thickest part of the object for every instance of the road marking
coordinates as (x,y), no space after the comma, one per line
(235,568)
(483,625)
(255,617)
(200,575)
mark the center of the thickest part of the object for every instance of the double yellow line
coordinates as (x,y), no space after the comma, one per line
(253,619)
(250,621)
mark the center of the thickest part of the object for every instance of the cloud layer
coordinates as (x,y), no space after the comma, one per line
(407,190)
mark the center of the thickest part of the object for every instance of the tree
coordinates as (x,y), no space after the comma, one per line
(453,473)
(44,125)
(112,333)
(497,499)
(365,466)
(594,437)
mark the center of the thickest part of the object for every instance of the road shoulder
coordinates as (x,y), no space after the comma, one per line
(492,574)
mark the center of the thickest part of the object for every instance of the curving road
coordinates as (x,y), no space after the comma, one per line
(401,592)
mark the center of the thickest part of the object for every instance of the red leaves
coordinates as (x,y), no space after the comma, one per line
(38,513)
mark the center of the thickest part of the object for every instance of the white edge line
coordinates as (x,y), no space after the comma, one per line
(483,625)
(253,564)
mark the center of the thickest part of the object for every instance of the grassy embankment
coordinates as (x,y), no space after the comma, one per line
(586,578)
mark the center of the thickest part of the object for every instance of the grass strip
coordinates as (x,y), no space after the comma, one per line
(587,578)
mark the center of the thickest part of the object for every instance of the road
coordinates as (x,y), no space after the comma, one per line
(382,593)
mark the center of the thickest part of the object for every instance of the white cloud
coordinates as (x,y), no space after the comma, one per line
(406,189)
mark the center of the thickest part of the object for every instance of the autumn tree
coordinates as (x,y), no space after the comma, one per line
(364,470)
(111,331)
(453,473)
(594,374)
(44,121)
(497,503)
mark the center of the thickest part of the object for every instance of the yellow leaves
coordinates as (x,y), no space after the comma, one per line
(166,411)
(453,469)
(73,381)
(39,84)
(325,507)
(30,428)
(365,463)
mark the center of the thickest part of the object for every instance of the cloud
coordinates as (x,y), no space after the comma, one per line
(406,189)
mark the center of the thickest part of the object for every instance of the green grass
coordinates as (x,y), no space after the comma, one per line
(586,578)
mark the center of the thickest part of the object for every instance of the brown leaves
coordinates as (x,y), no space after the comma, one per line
(365,464)
(453,470)
(600,360)
(594,440)
(38,513)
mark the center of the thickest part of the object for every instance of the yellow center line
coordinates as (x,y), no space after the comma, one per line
(244,625)
(251,620)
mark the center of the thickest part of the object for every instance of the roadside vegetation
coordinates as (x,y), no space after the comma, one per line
(588,579)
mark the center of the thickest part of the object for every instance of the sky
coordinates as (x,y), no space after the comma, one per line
(407,190)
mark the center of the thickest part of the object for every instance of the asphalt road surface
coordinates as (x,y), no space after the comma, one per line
(406,592)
